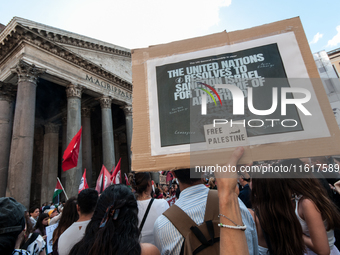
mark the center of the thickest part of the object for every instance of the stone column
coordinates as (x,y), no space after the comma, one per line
(87,147)
(50,161)
(128,120)
(107,133)
(73,175)
(21,155)
(6,124)
(63,148)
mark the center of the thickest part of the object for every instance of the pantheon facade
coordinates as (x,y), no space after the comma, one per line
(52,82)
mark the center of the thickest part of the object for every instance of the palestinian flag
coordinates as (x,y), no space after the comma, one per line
(57,190)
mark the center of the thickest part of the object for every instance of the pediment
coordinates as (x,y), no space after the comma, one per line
(107,60)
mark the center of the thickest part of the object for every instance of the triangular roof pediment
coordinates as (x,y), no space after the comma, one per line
(71,46)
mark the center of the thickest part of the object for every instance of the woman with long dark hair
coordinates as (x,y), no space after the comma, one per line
(316,213)
(141,182)
(42,222)
(113,228)
(278,229)
(68,217)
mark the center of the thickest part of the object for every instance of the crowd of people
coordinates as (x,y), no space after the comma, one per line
(240,214)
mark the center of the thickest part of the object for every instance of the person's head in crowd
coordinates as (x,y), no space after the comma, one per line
(86,202)
(212,182)
(274,211)
(52,213)
(141,183)
(172,191)
(165,188)
(12,223)
(68,216)
(113,228)
(46,209)
(310,188)
(244,179)
(42,223)
(157,192)
(183,177)
(34,212)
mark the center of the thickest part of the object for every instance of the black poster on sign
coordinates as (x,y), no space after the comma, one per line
(180,86)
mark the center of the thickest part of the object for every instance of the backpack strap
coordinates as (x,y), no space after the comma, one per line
(145,215)
(179,219)
(212,208)
(30,240)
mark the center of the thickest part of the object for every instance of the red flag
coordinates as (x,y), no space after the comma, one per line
(70,158)
(169,177)
(116,176)
(103,180)
(126,180)
(83,183)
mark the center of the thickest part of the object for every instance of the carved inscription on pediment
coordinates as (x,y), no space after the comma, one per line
(117,91)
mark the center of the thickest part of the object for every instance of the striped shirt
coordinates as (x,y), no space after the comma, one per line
(193,201)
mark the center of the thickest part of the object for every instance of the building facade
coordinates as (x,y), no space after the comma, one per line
(334,57)
(330,81)
(52,82)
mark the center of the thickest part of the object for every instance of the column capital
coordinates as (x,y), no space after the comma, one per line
(7,92)
(105,102)
(73,91)
(127,109)
(86,112)
(51,128)
(27,72)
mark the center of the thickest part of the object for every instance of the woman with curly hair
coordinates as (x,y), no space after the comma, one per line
(113,228)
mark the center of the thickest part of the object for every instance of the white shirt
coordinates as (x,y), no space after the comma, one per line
(71,236)
(34,221)
(157,208)
(192,201)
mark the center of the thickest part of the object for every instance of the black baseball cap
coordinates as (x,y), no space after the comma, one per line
(11,215)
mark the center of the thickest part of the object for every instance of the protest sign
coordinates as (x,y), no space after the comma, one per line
(162,179)
(262,78)
(224,136)
(49,237)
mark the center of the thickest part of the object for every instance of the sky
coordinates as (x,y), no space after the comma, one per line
(141,23)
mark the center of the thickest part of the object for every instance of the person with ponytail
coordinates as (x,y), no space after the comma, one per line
(113,229)
(149,209)
(278,229)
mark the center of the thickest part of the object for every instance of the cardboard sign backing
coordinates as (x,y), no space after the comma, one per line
(162,101)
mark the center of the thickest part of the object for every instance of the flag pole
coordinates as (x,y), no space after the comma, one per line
(62,188)
(102,187)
